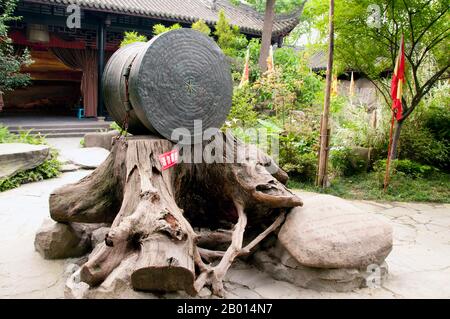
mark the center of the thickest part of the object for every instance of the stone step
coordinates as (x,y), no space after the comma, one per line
(59,126)
(62,135)
(53,131)
(46,131)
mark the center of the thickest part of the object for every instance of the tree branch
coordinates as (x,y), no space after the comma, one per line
(429,26)
(424,90)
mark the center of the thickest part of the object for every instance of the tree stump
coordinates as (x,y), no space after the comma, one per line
(154,212)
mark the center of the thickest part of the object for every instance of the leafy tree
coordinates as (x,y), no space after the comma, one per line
(10,63)
(201,26)
(131,37)
(368,34)
(229,39)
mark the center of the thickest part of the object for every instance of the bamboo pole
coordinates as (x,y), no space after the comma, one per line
(324,130)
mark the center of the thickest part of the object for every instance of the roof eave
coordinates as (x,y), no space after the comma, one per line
(182,19)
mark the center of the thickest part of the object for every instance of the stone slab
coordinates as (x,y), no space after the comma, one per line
(17,157)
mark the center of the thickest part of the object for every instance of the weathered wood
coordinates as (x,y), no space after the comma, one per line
(159,208)
(165,264)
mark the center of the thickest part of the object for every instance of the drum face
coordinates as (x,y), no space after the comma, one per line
(177,79)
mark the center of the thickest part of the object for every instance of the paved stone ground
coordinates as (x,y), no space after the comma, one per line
(419,263)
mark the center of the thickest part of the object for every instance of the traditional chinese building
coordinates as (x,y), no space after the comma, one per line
(68,61)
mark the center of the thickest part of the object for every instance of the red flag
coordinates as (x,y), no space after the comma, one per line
(398,78)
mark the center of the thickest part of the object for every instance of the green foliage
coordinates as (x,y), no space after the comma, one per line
(405,167)
(346,162)
(300,166)
(418,143)
(298,77)
(115,126)
(22,137)
(160,28)
(242,111)
(10,76)
(436,116)
(132,37)
(229,39)
(202,27)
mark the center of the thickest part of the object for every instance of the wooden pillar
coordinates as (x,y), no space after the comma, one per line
(101,64)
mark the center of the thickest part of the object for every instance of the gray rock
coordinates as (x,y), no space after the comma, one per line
(100,139)
(75,289)
(17,157)
(278,263)
(88,158)
(329,232)
(57,241)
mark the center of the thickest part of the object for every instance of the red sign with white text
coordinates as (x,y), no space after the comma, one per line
(168,159)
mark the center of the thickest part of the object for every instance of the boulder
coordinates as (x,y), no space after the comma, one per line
(87,158)
(329,232)
(17,157)
(100,139)
(280,264)
(57,241)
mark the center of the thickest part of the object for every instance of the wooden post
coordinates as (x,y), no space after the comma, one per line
(101,63)
(324,130)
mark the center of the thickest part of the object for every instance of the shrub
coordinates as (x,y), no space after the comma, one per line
(242,112)
(345,161)
(405,167)
(160,28)
(418,143)
(201,26)
(229,39)
(301,167)
(132,37)
(437,115)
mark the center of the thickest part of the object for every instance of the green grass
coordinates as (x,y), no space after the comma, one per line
(48,169)
(435,188)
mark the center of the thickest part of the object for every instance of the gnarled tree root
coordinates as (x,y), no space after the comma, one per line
(153,212)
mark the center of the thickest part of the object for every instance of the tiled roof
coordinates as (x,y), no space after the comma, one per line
(188,11)
(318,60)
